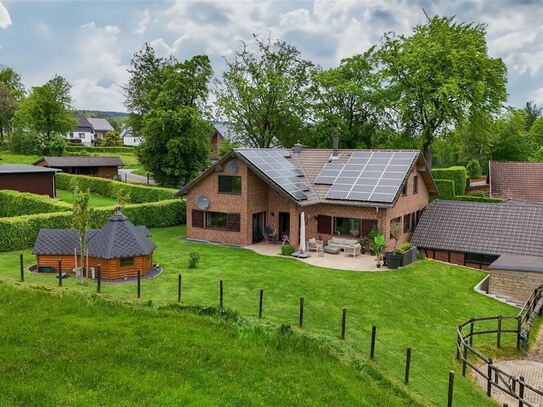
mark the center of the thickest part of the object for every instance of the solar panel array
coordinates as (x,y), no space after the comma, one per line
(373,176)
(274,165)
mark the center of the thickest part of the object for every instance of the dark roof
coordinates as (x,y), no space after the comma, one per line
(75,161)
(516,180)
(23,168)
(82,123)
(310,162)
(118,238)
(518,263)
(100,124)
(510,227)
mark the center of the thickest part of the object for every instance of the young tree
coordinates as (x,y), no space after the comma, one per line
(112,139)
(347,102)
(46,114)
(439,76)
(533,112)
(264,93)
(80,215)
(12,92)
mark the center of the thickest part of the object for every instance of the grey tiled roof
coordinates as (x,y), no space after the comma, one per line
(75,161)
(518,263)
(510,227)
(118,238)
(516,180)
(23,168)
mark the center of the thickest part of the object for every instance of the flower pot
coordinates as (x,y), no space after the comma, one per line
(394,260)
(409,256)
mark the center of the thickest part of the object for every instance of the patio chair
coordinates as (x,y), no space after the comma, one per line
(353,250)
(314,244)
(269,234)
(285,239)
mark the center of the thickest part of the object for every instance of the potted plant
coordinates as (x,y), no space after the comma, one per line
(394,259)
(408,252)
(374,231)
(378,245)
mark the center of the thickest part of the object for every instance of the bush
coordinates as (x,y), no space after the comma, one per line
(193,260)
(404,247)
(456,174)
(73,148)
(113,189)
(474,169)
(445,188)
(14,203)
(287,249)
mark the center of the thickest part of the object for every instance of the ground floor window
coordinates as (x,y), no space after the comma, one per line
(484,259)
(126,261)
(218,220)
(347,226)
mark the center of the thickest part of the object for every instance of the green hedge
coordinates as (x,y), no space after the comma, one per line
(456,174)
(14,203)
(112,189)
(445,188)
(475,198)
(76,148)
(20,232)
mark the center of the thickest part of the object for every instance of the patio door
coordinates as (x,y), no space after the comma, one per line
(259,223)
(284,223)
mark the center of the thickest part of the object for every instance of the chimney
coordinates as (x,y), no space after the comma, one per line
(335,146)
(297,148)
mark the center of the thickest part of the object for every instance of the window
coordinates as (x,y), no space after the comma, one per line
(81,135)
(415,184)
(126,261)
(347,226)
(217,220)
(229,184)
(404,189)
(407,223)
(479,258)
(395,220)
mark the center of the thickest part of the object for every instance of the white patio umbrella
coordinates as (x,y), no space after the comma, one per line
(302,233)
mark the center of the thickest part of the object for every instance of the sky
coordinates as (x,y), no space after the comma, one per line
(91,42)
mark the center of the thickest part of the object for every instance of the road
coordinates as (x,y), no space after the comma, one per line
(126,174)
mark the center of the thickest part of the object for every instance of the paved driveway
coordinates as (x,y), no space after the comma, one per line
(126,173)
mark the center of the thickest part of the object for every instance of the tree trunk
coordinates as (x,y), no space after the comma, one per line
(427,153)
(1,134)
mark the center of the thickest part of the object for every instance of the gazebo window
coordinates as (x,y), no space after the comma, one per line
(126,261)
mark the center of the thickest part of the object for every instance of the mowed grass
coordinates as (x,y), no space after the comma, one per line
(70,349)
(95,200)
(418,306)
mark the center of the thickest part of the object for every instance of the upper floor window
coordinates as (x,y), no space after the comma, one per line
(415,184)
(229,184)
(404,189)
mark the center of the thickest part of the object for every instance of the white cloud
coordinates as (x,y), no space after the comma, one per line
(143,23)
(5,19)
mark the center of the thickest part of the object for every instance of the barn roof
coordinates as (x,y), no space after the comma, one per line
(77,161)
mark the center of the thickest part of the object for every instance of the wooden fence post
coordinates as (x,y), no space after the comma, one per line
(521,391)
(499,335)
(98,279)
(489,378)
(301,319)
(407,365)
(139,283)
(21,259)
(372,347)
(179,287)
(519,325)
(221,294)
(343,322)
(464,360)
(458,343)
(471,325)
(451,388)
(60,272)
(260,301)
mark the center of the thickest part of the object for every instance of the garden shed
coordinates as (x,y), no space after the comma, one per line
(28,178)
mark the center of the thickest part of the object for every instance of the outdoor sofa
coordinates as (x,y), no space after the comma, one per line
(341,243)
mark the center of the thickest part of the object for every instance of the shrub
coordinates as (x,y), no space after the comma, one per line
(404,247)
(102,149)
(474,169)
(113,189)
(193,260)
(287,249)
(14,203)
(445,188)
(285,330)
(456,174)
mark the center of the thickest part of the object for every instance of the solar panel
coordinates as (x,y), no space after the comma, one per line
(374,176)
(329,173)
(274,165)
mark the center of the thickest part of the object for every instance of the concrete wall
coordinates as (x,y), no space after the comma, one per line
(514,285)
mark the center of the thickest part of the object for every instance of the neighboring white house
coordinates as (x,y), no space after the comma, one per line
(128,138)
(87,131)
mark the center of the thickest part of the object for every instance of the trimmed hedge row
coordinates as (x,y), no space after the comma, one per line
(456,174)
(14,203)
(475,198)
(114,189)
(124,149)
(20,232)
(445,188)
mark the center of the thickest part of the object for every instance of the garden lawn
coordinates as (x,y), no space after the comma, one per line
(418,306)
(95,200)
(76,349)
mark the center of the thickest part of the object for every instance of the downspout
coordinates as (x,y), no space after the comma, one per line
(378,219)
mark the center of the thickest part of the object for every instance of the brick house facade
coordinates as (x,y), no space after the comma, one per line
(259,203)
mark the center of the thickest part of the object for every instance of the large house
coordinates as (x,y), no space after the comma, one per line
(119,248)
(516,180)
(129,138)
(28,178)
(88,130)
(104,167)
(340,192)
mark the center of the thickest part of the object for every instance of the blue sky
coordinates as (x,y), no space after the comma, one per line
(91,42)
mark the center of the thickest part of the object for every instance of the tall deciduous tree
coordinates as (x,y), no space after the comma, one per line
(348,102)
(533,112)
(439,76)
(264,93)
(11,93)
